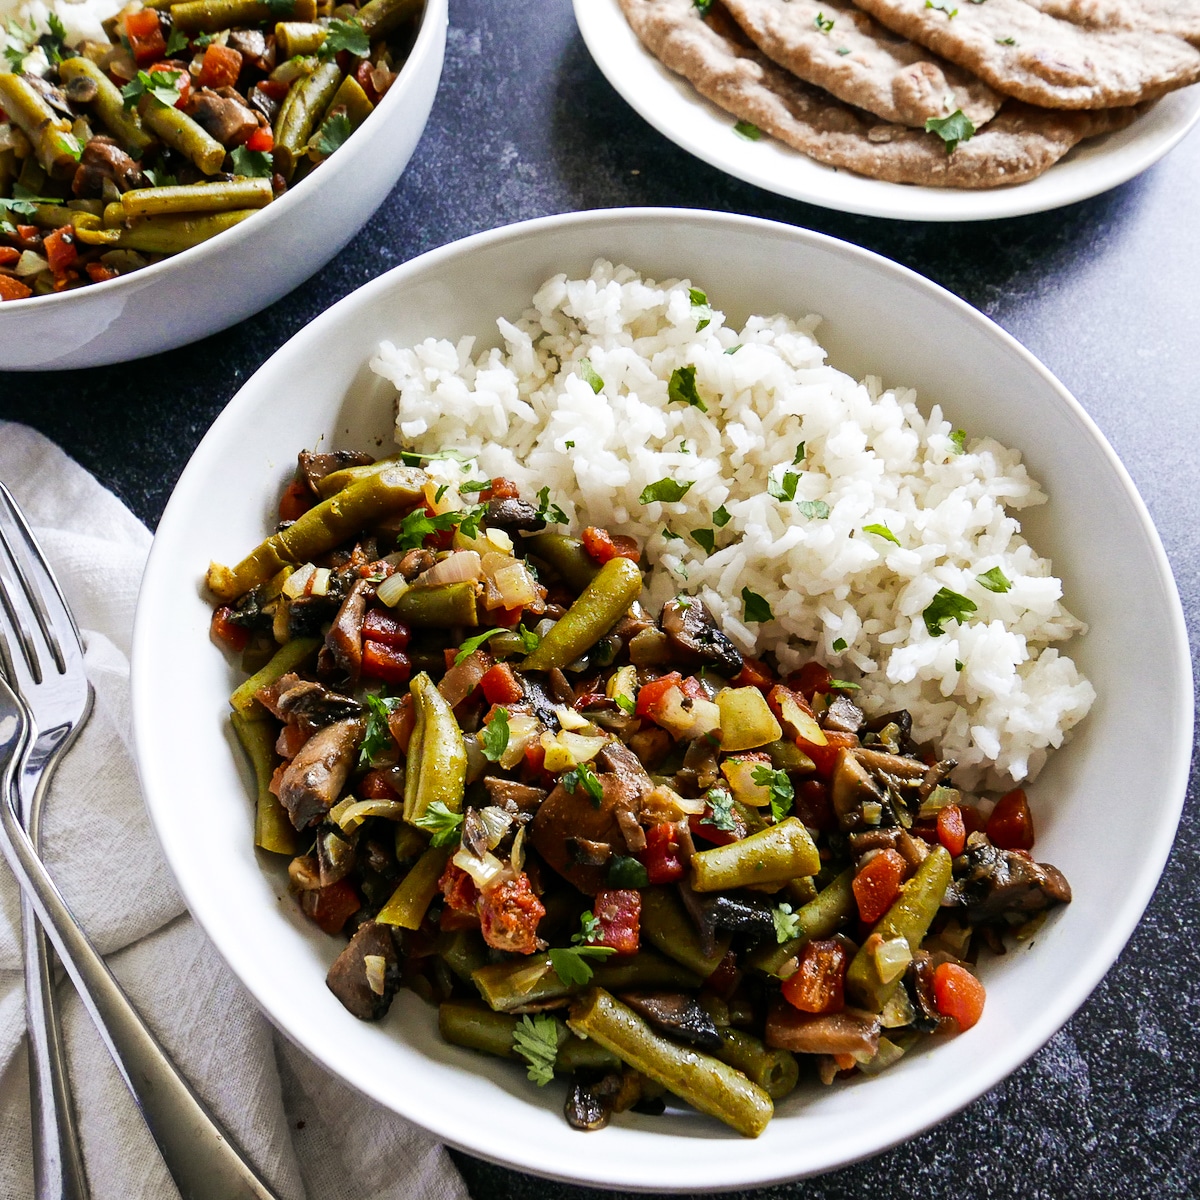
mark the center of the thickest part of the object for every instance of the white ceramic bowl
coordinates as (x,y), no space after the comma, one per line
(1105,816)
(224,280)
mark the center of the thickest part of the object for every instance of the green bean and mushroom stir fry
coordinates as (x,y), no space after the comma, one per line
(603,843)
(191,118)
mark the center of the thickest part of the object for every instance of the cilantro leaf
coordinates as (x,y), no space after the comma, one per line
(441,822)
(473,643)
(942,6)
(843,50)
(734,349)
(332,135)
(535,1039)
(882,531)
(418,525)
(958,666)
(570,965)
(588,374)
(839,645)
(845,684)
(721,517)
(994,580)
(823,23)
(253,164)
(748,130)
(494,739)
(682,389)
(549,511)
(583,776)
(159,178)
(163,87)
(378,737)
(442,490)
(345,35)
(529,640)
(720,811)
(959,439)
(754,607)
(787,923)
(176,42)
(784,488)
(1008,41)
(471,486)
(946,606)
(799,455)
(780,788)
(700,303)
(590,930)
(814,509)
(955,128)
(665,491)
(625,704)
(706,539)
(671,536)
(702,6)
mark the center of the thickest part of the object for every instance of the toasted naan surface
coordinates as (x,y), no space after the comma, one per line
(1043,58)
(1178,17)
(836,46)
(1017,145)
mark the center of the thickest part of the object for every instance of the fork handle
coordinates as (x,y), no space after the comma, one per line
(204,1161)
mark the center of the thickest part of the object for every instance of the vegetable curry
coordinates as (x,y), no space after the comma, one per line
(605,843)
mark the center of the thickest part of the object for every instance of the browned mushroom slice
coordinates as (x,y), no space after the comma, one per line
(366,975)
(691,628)
(852,786)
(851,1031)
(314,779)
(568,820)
(344,639)
(998,883)
(678,1014)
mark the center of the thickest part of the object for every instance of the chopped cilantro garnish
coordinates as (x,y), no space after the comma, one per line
(1008,41)
(798,457)
(955,128)
(583,776)
(959,440)
(334,131)
(441,822)
(664,491)
(882,531)
(588,374)
(702,6)
(721,517)
(780,788)
(590,930)
(473,643)
(161,86)
(535,1039)
(839,645)
(958,666)
(494,738)
(784,488)
(159,178)
(625,704)
(942,6)
(569,445)
(682,388)
(418,525)
(845,685)
(946,606)
(720,811)
(748,130)
(378,736)
(843,50)
(823,23)
(548,510)
(754,607)
(176,42)
(700,303)
(529,640)
(706,539)
(570,965)
(472,486)
(672,537)
(814,509)
(683,446)
(345,35)
(787,923)
(734,349)
(994,580)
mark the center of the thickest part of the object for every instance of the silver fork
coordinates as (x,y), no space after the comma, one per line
(41,655)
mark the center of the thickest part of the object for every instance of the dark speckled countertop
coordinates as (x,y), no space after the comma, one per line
(1106,293)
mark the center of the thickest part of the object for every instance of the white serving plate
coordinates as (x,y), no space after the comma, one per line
(1103,814)
(669,103)
(224,280)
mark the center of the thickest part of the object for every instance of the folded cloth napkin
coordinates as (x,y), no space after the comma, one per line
(311,1135)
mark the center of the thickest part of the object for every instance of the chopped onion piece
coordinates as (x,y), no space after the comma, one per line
(31,263)
(500,539)
(496,822)
(693,808)
(523,731)
(463,566)
(568,718)
(566,749)
(376,968)
(517,857)
(296,584)
(391,589)
(516,586)
(351,818)
(892,958)
(320,583)
(485,871)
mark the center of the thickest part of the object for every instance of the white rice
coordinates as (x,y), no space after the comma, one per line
(991,692)
(80,18)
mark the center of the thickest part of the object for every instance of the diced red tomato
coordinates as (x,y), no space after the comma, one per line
(380,626)
(13,289)
(144,31)
(183,83)
(376,785)
(99,273)
(501,686)
(650,694)
(362,76)
(602,545)
(1011,824)
(401,721)
(508,617)
(693,689)
(725,977)
(661,857)
(224,630)
(876,885)
(825,757)
(291,738)
(500,489)
(818,985)
(619,912)
(29,233)
(973,819)
(700,825)
(295,501)
(276,89)
(812,805)
(331,907)
(8,255)
(262,140)
(951,829)
(755,673)
(381,661)
(810,679)
(535,756)
(509,914)
(220,66)
(59,247)
(458,888)
(958,994)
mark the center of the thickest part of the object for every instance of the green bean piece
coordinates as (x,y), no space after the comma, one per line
(775,1071)
(704,1082)
(821,917)
(462,950)
(909,917)
(55,146)
(773,855)
(211,16)
(335,481)
(320,529)
(297,39)
(55,216)
(437,773)
(287,658)
(506,986)
(578,1054)
(109,105)
(599,607)
(306,101)
(411,900)
(166,234)
(666,924)
(646,969)
(443,606)
(380,17)
(566,555)
(273,829)
(198,197)
(181,133)
(354,100)
(785,755)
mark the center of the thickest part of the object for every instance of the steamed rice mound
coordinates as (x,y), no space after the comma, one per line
(991,692)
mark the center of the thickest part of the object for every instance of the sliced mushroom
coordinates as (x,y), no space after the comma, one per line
(335,854)
(344,639)
(585,1109)
(1000,883)
(514,516)
(843,716)
(691,628)
(567,820)
(356,981)
(852,786)
(678,1014)
(313,467)
(314,779)
(851,1031)
(748,914)
(504,792)
(315,704)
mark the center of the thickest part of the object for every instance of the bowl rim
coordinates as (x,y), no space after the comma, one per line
(1023,1042)
(333,168)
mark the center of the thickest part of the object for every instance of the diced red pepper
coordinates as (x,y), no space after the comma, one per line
(224,630)
(535,756)
(276,89)
(220,67)
(295,501)
(825,757)
(59,247)
(376,785)
(380,626)
(725,977)
(331,907)
(8,255)
(458,888)
(755,673)
(401,721)
(812,806)
(661,857)
(501,686)
(1011,824)
(602,545)
(958,994)
(650,694)
(810,679)
(183,83)
(262,140)
(619,912)
(701,825)
(29,233)
(693,689)
(99,273)
(509,914)
(144,31)
(508,617)
(818,985)
(499,489)
(951,829)
(626,547)
(381,661)
(13,289)
(291,738)
(876,885)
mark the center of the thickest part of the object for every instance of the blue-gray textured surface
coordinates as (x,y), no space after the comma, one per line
(1106,293)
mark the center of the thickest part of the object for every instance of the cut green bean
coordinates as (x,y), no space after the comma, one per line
(211,16)
(567,557)
(775,1071)
(197,197)
(335,481)
(472,1024)
(411,900)
(56,147)
(295,39)
(273,829)
(669,928)
(821,917)
(773,855)
(437,770)
(181,133)
(380,17)
(166,234)
(109,105)
(303,106)
(444,606)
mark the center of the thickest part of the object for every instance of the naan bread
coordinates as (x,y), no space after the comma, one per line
(1178,17)
(841,49)
(1043,58)
(1017,145)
